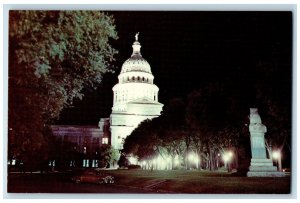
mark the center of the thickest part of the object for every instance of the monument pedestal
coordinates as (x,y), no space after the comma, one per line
(263,168)
(260,165)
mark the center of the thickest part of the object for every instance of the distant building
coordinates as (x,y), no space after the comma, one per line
(85,140)
(135,97)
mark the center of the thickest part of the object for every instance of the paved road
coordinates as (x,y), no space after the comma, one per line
(60,183)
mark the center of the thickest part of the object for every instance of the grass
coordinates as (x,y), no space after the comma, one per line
(201,182)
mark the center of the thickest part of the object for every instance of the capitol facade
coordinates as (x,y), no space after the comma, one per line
(135,97)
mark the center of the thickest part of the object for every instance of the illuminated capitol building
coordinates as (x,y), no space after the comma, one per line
(135,99)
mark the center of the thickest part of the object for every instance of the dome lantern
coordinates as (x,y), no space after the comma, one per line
(136,46)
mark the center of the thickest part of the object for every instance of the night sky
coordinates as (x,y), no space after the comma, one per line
(188,50)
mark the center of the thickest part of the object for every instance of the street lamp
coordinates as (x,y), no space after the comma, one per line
(277,156)
(227,156)
(193,159)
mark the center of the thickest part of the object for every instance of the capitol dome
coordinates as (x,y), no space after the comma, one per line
(136,69)
(136,62)
(135,81)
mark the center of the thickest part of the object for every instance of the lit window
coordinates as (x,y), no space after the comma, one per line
(85,163)
(104,140)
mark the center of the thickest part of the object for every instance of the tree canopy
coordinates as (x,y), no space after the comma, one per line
(53,55)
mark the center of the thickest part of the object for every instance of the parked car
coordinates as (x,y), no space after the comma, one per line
(93,176)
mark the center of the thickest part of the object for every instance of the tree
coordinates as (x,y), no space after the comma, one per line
(53,55)
(211,121)
(143,141)
(163,136)
(123,161)
(171,125)
(274,96)
(105,155)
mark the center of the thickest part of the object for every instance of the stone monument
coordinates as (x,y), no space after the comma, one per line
(260,165)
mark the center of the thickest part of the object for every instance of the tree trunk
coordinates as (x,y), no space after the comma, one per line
(211,159)
(236,158)
(187,143)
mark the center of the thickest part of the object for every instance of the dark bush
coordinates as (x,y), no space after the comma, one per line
(132,166)
(123,161)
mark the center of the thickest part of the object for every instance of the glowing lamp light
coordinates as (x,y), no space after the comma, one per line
(176,161)
(276,155)
(227,156)
(162,163)
(193,158)
(169,159)
(132,160)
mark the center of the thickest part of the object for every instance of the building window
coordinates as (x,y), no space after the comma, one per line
(85,163)
(104,140)
(94,163)
(13,162)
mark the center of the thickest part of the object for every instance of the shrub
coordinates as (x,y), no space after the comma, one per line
(132,166)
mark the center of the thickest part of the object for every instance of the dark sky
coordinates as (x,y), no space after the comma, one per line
(187,50)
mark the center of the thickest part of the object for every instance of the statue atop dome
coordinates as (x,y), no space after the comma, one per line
(136,46)
(137,36)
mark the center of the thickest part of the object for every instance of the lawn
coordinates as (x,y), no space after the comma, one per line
(201,182)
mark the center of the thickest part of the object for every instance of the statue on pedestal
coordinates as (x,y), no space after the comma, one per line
(260,165)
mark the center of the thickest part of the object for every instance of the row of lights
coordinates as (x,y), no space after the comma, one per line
(193,158)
